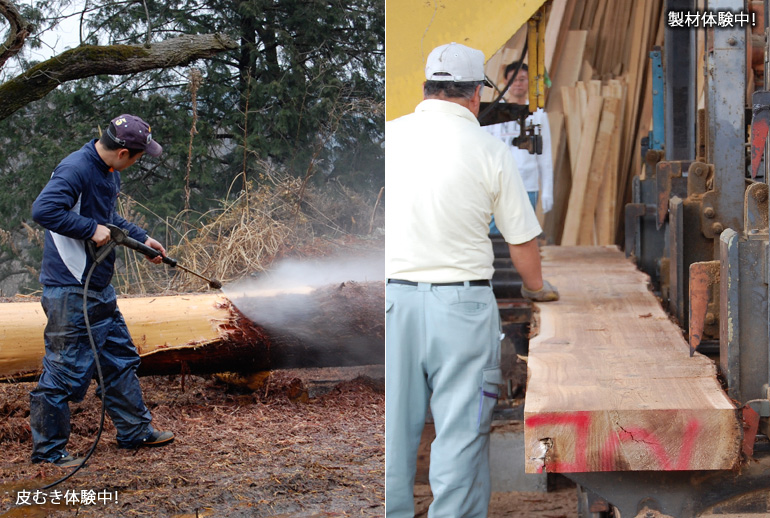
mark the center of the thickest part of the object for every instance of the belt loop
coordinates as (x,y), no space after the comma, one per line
(467,284)
(423,286)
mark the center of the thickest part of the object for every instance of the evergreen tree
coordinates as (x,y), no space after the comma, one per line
(304,93)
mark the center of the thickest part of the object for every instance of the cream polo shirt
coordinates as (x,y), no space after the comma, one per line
(444,178)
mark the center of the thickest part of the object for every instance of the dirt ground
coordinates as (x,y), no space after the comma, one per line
(304,444)
(559,502)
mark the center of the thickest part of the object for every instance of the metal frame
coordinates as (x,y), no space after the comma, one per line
(726,69)
(681,494)
(680,91)
(705,213)
(657,135)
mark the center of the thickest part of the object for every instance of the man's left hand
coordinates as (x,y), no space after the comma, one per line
(547,293)
(157,246)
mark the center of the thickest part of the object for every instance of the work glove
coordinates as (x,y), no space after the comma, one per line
(546,202)
(545,294)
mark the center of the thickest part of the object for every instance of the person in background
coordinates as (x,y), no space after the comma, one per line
(536,170)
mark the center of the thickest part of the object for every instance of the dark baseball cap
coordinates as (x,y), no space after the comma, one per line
(132,132)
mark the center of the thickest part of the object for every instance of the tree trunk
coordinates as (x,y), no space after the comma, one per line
(329,326)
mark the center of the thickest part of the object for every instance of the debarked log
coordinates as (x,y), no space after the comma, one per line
(328,326)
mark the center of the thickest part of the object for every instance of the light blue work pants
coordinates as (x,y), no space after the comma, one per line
(443,348)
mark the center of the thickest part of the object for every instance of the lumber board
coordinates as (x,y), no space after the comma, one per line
(577,14)
(582,93)
(567,7)
(581,173)
(606,220)
(572,119)
(608,37)
(594,88)
(565,75)
(568,70)
(588,14)
(611,385)
(634,60)
(616,38)
(553,31)
(597,172)
(586,72)
(595,27)
(554,220)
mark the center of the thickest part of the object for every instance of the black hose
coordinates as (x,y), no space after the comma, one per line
(99,375)
(508,85)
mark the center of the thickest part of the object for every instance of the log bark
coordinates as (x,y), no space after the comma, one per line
(89,60)
(329,326)
(612,386)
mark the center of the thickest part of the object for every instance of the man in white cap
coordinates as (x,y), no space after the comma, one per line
(445,177)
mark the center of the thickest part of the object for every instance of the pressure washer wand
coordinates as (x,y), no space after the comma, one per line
(120,237)
(212,282)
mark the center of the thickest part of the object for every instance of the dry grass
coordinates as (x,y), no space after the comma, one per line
(277,219)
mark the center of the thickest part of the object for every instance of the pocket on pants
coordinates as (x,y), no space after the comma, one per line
(488,392)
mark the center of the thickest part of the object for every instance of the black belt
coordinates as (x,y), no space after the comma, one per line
(410,283)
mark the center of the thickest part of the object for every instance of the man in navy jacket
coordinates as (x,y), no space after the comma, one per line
(74,207)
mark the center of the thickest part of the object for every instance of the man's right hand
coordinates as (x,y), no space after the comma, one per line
(101,235)
(545,294)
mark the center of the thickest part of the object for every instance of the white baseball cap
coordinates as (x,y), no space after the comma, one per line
(455,62)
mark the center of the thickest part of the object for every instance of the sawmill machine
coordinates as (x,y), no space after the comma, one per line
(698,221)
(698,225)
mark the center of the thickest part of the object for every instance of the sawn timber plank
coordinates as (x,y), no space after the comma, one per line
(611,384)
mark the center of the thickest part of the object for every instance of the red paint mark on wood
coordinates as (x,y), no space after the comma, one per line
(653,443)
(582,422)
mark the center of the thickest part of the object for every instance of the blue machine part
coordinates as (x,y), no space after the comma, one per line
(657,135)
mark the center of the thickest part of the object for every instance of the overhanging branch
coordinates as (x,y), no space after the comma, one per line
(89,60)
(19,30)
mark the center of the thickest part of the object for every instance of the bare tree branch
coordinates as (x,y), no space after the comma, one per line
(17,34)
(89,60)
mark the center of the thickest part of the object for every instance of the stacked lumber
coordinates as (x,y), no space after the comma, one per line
(604,45)
(593,114)
(619,36)
(611,384)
